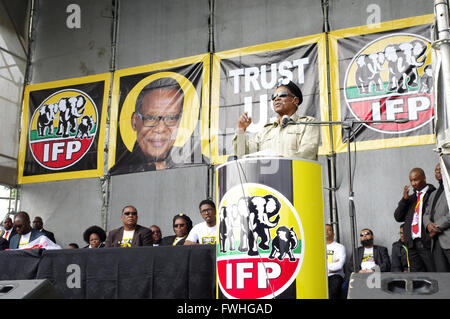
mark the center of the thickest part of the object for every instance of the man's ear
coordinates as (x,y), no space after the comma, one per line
(134,119)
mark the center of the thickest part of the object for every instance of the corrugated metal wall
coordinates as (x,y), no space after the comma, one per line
(159,30)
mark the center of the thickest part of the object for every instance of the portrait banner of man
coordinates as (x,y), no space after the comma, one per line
(157,116)
(245,80)
(63,129)
(383,72)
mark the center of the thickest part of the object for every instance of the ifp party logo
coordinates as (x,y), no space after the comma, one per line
(261,243)
(63,129)
(391,79)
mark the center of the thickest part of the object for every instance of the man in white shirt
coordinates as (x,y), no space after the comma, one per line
(205,232)
(335,264)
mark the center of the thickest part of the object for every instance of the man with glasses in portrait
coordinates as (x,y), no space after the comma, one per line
(280,138)
(205,232)
(130,234)
(156,118)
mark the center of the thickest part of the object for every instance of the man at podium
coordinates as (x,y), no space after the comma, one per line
(280,138)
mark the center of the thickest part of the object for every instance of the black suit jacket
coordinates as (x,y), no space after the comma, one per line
(13,232)
(49,235)
(142,237)
(380,254)
(168,241)
(399,257)
(405,213)
(4,244)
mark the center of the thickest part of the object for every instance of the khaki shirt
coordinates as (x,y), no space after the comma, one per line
(298,141)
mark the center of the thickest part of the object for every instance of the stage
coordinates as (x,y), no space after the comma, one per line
(167,272)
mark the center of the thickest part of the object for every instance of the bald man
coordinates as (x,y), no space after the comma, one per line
(410,210)
(25,234)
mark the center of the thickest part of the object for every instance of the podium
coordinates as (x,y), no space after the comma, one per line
(271,241)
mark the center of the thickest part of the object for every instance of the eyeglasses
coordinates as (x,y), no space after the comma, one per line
(132,213)
(281,95)
(207,210)
(364,234)
(152,121)
(178,225)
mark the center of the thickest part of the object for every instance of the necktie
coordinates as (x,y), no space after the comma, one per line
(6,234)
(415,223)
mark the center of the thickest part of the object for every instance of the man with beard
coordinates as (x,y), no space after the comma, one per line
(410,210)
(370,256)
(156,118)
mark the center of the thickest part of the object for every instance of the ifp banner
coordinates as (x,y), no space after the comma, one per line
(244,79)
(383,72)
(271,240)
(158,116)
(63,129)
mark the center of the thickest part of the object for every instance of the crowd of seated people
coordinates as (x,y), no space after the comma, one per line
(423,244)
(21,235)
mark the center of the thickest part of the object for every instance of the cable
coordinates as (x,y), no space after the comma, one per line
(239,168)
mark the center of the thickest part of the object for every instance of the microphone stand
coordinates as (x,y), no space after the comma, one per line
(347,125)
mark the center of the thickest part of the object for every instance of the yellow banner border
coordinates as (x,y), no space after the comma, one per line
(335,89)
(114,115)
(266,47)
(98,172)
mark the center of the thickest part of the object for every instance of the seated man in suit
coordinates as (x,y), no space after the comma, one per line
(182,225)
(38,224)
(25,234)
(130,234)
(370,256)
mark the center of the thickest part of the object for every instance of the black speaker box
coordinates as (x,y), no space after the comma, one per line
(390,285)
(27,289)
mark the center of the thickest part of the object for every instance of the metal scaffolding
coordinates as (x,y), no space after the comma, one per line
(441,74)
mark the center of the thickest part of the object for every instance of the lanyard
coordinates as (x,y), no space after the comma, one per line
(407,257)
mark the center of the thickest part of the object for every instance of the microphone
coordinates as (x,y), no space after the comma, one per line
(344,123)
(284,121)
